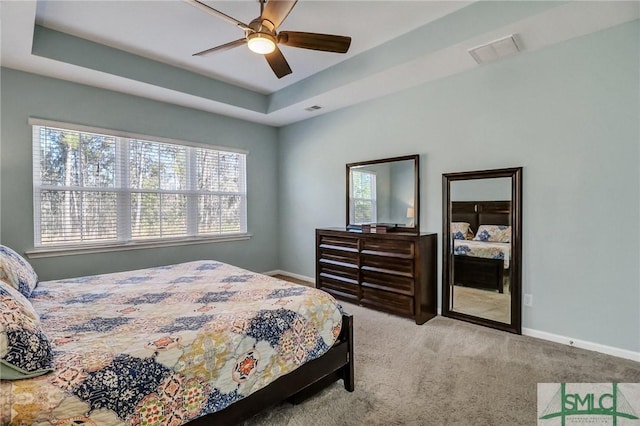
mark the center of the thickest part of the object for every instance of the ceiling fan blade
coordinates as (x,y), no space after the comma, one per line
(219,14)
(277,10)
(278,63)
(222,47)
(314,41)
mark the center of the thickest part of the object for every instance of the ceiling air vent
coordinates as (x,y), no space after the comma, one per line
(313,108)
(494,50)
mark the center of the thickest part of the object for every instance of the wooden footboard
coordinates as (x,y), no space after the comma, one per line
(478,272)
(296,386)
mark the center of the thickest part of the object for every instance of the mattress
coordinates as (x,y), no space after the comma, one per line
(485,249)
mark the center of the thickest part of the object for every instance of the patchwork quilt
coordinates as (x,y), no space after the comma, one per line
(166,345)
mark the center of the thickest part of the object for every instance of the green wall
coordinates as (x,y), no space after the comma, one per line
(568,114)
(26,95)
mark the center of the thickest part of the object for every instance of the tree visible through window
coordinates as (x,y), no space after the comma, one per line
(95,188)
(363,196)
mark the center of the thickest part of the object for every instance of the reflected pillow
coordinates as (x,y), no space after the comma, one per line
(25,351)
(494,233)
(461,231)
(16,271)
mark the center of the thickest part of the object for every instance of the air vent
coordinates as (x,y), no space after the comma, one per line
(313,108)
(495,50)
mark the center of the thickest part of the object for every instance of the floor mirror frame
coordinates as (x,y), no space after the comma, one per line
(515,173)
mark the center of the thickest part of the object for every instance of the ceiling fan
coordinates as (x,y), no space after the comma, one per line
(262,36)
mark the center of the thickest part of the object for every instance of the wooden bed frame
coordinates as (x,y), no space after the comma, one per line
(479,272)
(296,386)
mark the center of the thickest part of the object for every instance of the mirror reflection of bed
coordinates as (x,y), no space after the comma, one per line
(481,242)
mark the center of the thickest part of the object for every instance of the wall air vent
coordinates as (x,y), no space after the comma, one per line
(494,50)
(313,108)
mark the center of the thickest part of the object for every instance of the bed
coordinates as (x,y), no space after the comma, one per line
(194,343)
(481,232)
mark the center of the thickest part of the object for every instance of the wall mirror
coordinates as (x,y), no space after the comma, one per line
(384,192)
(482,247)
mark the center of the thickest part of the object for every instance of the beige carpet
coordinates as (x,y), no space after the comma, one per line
(445,372)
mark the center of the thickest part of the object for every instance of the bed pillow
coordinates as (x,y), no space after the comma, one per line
(461,231)
(16,299)
(15,270)
(25,351)
(494,233)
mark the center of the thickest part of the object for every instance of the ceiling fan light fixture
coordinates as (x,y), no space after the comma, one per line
(261,43)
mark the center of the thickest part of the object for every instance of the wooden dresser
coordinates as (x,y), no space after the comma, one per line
(393,272)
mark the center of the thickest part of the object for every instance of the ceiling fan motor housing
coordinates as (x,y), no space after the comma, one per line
(263,26)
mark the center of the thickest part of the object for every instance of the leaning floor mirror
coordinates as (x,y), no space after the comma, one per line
(482,247)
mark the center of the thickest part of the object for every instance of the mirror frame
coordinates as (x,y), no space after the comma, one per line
(515,174)
(416,194)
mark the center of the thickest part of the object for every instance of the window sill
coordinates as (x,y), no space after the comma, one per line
(42,252)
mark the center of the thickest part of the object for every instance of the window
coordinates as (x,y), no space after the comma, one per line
(363,195)
(97,186)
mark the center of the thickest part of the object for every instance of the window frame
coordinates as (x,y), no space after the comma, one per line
(124,240)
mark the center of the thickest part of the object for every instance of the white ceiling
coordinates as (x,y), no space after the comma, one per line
(170,31)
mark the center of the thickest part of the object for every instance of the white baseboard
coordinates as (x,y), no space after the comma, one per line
(583,344)
(291,274)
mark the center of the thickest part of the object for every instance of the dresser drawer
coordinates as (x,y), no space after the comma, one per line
(388,301)
(341,287)
(397,266)
(389,247)
(332,256)
(339,269)
(338,242)
(388,282)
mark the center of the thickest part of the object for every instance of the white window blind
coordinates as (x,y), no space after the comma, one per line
(363,197)
(92,187)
